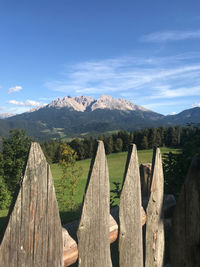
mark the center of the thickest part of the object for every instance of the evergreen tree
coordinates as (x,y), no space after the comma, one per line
(109,145)
(1,164)
(118,145)
(144,143)
(171,137)
(77,145)
(125,138)
(162,131)
(131,138)
(153,137)
(88,144)
(15,152)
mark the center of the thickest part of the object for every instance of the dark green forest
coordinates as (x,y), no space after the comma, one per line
(119,142)
(15,147)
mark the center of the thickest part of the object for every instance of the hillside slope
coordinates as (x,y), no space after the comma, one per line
(76,116)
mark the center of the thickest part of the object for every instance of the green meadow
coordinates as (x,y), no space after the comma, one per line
(116,165)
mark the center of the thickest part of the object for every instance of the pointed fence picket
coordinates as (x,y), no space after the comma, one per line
(155,240)
(93,231)
(130,215)
(34,235)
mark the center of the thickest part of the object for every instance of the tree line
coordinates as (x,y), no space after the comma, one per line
(119,142)
(13,158)
(14,152)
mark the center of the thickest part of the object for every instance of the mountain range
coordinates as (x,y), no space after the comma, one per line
(79,116)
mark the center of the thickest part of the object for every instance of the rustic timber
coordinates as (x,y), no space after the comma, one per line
(115,213)
(145,177)
(130,215)
(155,223)
(185,238)
(33,237)
(70,249)
(93,232)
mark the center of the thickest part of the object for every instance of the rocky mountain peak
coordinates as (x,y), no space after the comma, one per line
(108,102)
(83,103)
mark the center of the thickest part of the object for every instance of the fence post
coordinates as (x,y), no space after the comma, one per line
(145,176)
(93,231)
(33,237)
(154,224)
(130,214)
(185,238)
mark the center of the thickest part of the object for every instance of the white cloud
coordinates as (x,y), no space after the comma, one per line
(170,36)
(27,103)
(14,89)
(196,105)
(134,77)
(163,104)
(175,93)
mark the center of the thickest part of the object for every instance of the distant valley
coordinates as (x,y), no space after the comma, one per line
(78,116)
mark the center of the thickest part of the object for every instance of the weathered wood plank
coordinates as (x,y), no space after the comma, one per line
(155,223)
(145,177)
(185,238)
(70,249)
(93,232)
(130,215)
(33,237)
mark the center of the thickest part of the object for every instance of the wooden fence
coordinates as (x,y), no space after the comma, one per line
(34,236)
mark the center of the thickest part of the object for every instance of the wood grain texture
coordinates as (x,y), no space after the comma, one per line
(33,237)
(130,215)
(70,248)
(93,231)
(185,237)
(155,223)
(145,178)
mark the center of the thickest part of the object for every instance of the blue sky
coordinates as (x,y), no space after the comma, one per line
(147,52)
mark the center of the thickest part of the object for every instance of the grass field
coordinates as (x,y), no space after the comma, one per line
(116,165)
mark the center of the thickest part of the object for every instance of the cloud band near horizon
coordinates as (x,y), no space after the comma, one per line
(137,78)
(27,103)
(158,37)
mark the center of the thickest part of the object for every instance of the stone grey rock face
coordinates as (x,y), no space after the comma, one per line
(107,102)
(69,102)
(83,103)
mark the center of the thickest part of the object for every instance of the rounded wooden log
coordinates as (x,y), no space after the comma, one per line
(70,248)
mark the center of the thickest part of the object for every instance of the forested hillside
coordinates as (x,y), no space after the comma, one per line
(118,142)
(68,118)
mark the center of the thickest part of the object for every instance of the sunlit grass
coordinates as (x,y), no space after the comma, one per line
(116,165)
